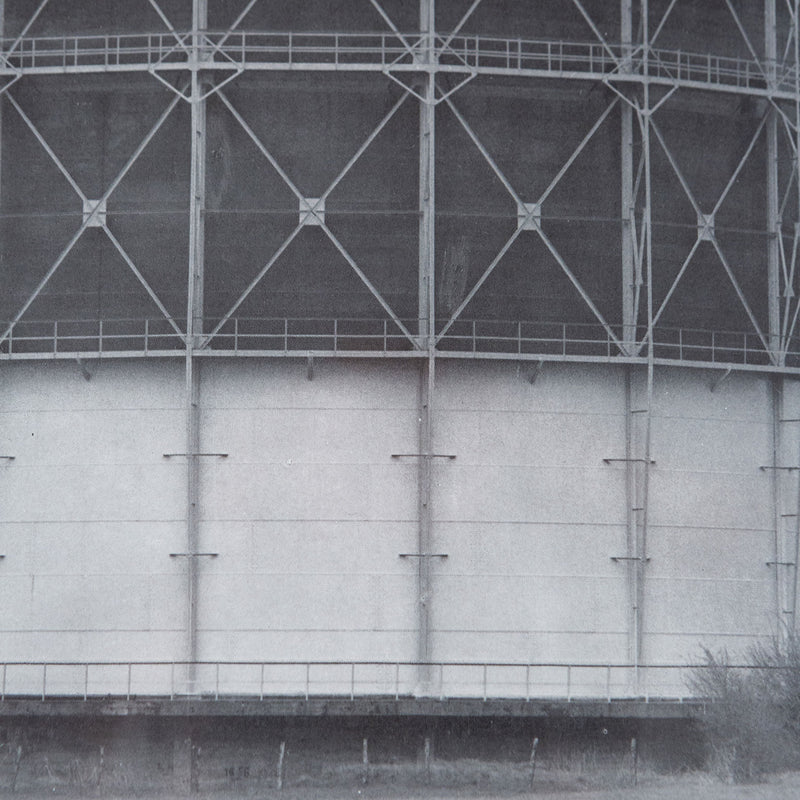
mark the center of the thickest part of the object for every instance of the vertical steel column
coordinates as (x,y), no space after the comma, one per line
(194,326)
(782,603)
(644,471)
(627,206)
(427,330)
(796,33)
(626,181)
(773,219)
(2,33)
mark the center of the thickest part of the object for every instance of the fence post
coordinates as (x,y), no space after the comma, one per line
(281,753)
(533,758)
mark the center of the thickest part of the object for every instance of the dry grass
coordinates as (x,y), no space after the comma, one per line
(481,780)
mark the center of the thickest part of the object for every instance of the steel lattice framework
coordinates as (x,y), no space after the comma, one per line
(430,68)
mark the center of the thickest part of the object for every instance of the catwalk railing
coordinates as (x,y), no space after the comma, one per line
(383,337)
(389,51)
(218,680)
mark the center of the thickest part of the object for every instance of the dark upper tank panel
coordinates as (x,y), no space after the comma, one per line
(322,16)
(95,17)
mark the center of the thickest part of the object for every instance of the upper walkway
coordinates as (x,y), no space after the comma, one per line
(393,53)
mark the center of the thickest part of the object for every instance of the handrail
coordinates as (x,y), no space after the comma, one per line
(216,680)
(343,335)
(386,50)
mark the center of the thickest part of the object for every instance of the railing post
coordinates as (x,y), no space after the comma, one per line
(3,696)
(308,680)
(216,682)
(130,669)
(385,340)
(569,683)
(441,681)
(261,685)
(484,682)
(352,681)
(335,335)
(100,333)
(236,334)
(397,681)
(563,338)
(474,339)
(527,683)
(146,335)
(55,336)
(172,682)
(519,337)
(85,682)
(713,347)
(608,683)
(44,681)
(286,324)
(680,343)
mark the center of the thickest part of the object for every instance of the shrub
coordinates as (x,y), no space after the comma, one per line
(752,720)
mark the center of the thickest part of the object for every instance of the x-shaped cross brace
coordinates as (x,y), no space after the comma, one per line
(94,216)
(311,208)
(532,210)
(706,231)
